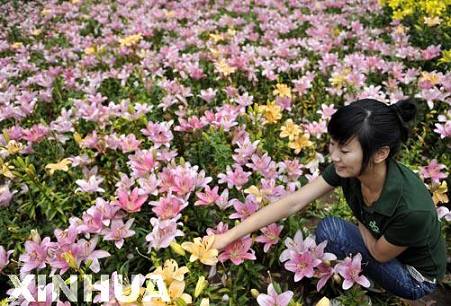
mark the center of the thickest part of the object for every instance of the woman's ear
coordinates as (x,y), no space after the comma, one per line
(381,154)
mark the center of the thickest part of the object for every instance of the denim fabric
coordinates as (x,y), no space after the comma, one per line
(344,239)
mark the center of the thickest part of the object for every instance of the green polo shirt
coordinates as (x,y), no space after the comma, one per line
(404,214)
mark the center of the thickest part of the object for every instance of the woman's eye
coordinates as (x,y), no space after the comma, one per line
(344,152)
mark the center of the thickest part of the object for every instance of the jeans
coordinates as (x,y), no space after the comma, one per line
(344,239)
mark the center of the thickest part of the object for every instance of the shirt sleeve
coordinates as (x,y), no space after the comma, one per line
(331,177)
(410,229)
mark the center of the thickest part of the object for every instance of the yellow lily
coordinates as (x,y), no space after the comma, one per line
(300,142)
(225,68)
(282,90)
(271,112)
(62,165)
(130,40)
(290,130)
(439,193)
(202,249)
(171,271)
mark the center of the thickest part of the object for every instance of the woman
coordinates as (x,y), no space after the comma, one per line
(398,232)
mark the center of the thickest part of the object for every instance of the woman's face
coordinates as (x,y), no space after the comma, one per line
(347,158)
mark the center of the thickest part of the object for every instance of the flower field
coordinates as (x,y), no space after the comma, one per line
(132,129)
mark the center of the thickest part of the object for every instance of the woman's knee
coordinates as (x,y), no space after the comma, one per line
(414,293)
(328,229)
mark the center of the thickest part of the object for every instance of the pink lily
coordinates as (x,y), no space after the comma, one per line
(350,270)
(274,299)
(443,212)
(163,232)
(36,252)
(5,195)
(4,257)
(190,124)
(142,162)
(292,167)
(169,206)
(220,229)
(149,184)
(327,111)
(159,133)
(58,259)
(297,246)
(318,251)
(185,180)
(129,143)
(243,210)
(131,202)
(324,272)
(270,236)
(236,178)
(36,133)
(302,265)
(92,221)
(89,254)
(223,201)
(208,197)
(208,95)
(261,164)
(238,251)
(245,150)
(67,236)
(433,171)
(119,231)
(90,185)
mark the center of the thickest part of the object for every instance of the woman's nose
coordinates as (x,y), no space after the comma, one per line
(334,156)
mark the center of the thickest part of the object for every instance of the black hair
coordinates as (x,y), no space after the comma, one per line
(374,123)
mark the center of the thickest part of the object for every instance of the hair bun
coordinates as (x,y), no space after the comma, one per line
(405,109)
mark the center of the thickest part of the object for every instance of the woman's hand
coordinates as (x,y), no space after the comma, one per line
(274,212)
(221,241)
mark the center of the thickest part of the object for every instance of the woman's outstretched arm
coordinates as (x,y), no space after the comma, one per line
(276,211)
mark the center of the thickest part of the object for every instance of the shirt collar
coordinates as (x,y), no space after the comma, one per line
(391,192)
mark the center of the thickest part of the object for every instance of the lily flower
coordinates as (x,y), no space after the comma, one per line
(274,299)
(202,249)
(350,270)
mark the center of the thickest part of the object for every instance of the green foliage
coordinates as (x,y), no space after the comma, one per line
(91,27)
(354,297)
(211,150)
(43,200)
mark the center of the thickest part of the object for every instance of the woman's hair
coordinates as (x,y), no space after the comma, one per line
(375,124)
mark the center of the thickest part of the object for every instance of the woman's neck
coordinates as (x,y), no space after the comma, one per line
(373,178)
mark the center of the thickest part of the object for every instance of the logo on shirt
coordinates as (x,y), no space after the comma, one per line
(374,227)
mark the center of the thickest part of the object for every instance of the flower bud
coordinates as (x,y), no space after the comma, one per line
(177,248)
(30,171)
(34,235)
(255,293)
(205,302)
(200,286)
(70,259)
(323,302)
(77,138)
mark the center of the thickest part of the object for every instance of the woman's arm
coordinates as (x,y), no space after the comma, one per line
(381,250)
(283,208)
